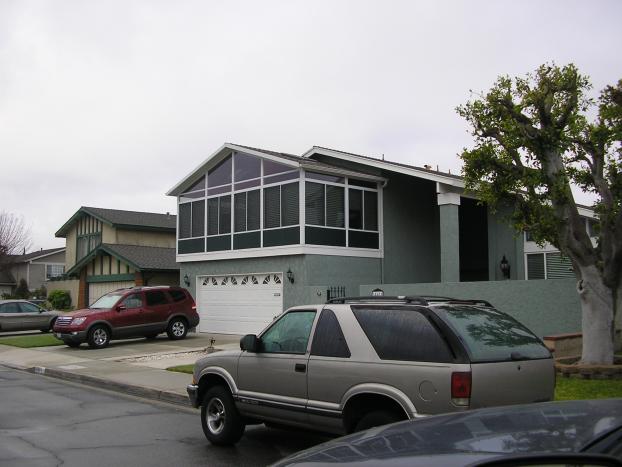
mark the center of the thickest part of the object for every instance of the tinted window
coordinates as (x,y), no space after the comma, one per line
(328,340)
(184,221)
(402,334)
(289,334)
(246,167)
(178,295)
(133,301)
(156,297)
(9,308)
(198,218)
(29,308)
(491,335)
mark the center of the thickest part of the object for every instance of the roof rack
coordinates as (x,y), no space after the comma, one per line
(381,298)
(409,299)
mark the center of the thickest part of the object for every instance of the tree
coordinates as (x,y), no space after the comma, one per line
(534,139)
(22,291)
(14,236)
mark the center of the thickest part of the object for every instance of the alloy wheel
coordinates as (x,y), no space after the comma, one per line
(216,415)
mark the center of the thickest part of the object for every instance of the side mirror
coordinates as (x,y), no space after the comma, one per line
(121,308)
(250,343)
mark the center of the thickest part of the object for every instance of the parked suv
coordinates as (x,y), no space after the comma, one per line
(355,363)
(127,313)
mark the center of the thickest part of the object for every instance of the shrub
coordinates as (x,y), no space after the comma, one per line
(22,290)
(59,299)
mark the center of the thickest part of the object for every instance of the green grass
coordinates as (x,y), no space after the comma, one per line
(575,388)
(41,340)
(182,368)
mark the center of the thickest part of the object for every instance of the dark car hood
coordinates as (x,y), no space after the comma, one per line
(86,312)
(546,427)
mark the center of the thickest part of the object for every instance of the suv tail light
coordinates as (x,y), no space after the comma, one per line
(194,305)
(461,388)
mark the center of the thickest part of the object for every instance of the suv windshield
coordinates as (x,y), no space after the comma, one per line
(106,301)
(490,335)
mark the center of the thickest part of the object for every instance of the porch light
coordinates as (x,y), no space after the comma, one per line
(505,267)
(187,280)
(290,275)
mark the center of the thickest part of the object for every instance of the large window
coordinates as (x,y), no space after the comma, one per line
(548,265)
(54,270)
(252,202)
(89,236)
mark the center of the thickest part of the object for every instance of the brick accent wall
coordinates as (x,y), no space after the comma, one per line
(138,279)
(83,290)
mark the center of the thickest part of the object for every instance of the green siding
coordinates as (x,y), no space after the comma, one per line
(111,278)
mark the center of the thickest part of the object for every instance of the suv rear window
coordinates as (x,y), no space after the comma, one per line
(491,336)
(402,334)
(177,295)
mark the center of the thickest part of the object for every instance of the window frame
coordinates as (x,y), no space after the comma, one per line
(280,319)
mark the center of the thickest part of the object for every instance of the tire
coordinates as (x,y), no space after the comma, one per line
(177,329)
(73,345)
(377,418)
(99,337)
(220,419)
(51,326)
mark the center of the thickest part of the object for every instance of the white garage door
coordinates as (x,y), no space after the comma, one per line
(239,304)
(98,289)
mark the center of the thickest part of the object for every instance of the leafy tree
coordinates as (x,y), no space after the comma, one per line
(535,137)
(21,291)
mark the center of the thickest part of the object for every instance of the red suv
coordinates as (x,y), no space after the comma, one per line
(126,313)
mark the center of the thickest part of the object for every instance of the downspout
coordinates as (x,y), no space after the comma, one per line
(383,186)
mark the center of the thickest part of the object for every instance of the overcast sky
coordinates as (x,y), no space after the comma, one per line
(110,104)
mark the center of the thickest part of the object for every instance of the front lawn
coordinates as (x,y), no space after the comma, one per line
(576,388)
(40,340)
(182,368)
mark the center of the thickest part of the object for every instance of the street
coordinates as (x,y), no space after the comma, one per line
(49,422)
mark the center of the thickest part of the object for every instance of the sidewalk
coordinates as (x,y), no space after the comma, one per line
(135,367)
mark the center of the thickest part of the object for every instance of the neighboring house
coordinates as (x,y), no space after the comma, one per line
(35,268)
(259,231)
(108,249)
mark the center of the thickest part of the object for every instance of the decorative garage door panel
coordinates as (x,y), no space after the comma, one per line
(239,304)
(97,289)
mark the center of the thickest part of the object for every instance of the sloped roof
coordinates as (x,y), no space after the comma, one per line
(141,258)
(36,255)
(136,220)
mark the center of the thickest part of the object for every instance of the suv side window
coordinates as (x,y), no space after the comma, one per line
(328,340)
(156,297)
(402,334)
(134,300)
(290,334)
(177,295)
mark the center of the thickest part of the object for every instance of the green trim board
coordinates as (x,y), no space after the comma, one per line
(110,278)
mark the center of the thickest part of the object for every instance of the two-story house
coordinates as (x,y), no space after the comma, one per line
(35,268)
(259,231)
(108,249)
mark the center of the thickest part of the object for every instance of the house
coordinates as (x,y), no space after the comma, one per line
(107,249)
(35,268)
(259,231)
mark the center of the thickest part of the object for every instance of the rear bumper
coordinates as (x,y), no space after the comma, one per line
(193,395)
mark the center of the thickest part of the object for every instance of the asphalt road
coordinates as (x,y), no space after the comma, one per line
(49,422)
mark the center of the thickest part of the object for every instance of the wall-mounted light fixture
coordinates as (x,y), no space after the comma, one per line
(290,275)
(505,267)
(187,280)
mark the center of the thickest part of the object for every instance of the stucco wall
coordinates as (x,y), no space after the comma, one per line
(544,306)
(310,280)
(502,240)
(109,234)
(411,231)
(132,237)
(70,248)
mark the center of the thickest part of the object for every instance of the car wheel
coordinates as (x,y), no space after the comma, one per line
(377,418)
(99,337)
(177,329)
(221,421)
(73,344)
(51,326)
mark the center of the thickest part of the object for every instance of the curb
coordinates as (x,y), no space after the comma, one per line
(133,390)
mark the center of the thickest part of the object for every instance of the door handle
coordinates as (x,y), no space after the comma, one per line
(300,367)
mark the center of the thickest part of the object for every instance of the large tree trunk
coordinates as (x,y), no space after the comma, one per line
(597,317)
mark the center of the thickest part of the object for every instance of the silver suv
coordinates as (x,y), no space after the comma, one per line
(355,363)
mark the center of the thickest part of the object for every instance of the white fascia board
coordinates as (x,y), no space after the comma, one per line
(419,173)
(281,251)
(587,212)
(344,172)
(176,190)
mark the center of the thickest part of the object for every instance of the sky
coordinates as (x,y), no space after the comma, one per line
(110,104)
